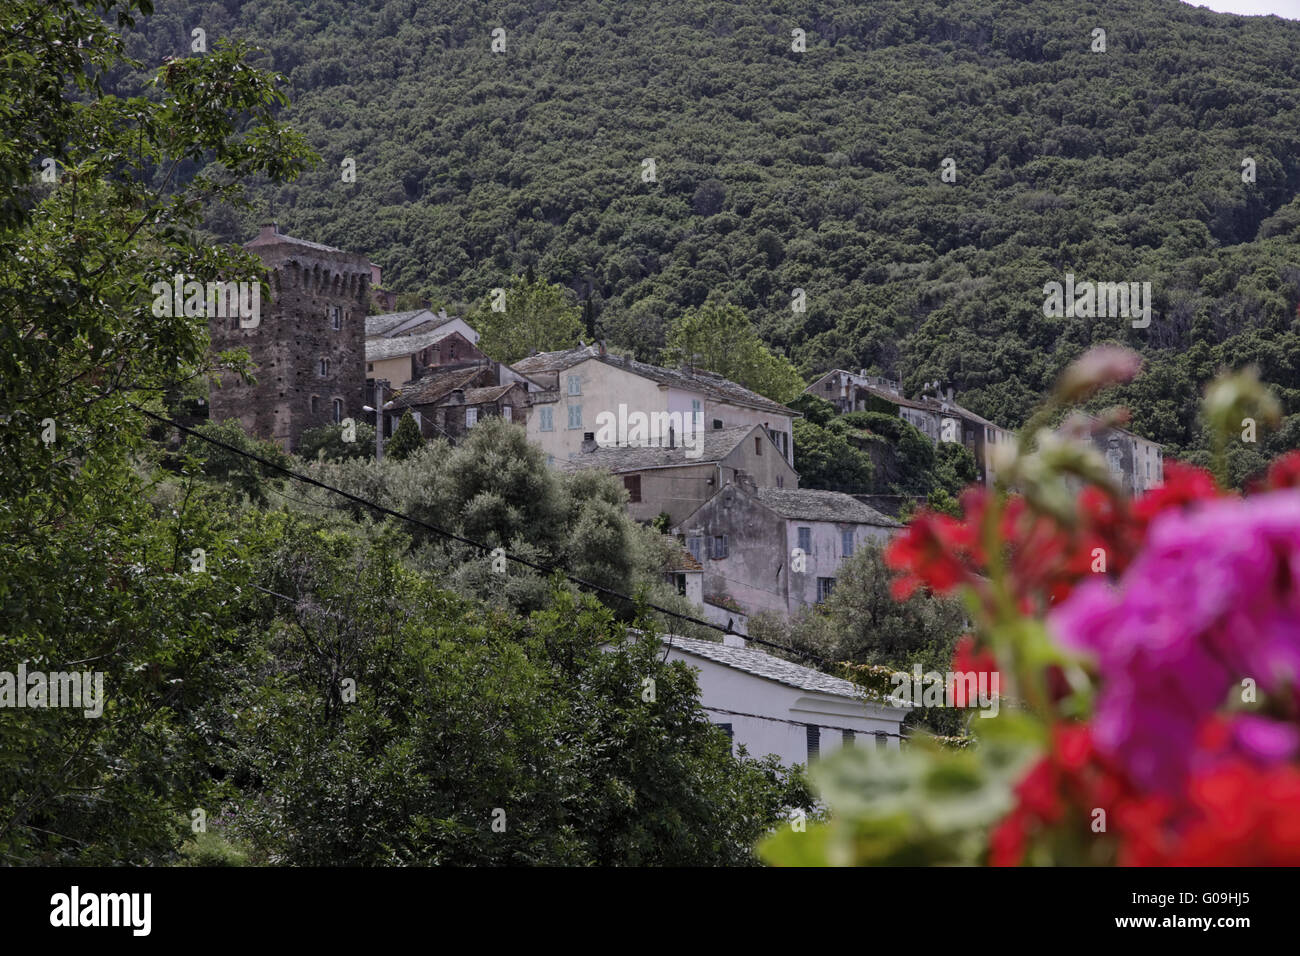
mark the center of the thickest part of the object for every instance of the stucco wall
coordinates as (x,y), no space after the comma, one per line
(826,555)
(726,688)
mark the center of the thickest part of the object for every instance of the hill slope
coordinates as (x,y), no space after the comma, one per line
(818,170)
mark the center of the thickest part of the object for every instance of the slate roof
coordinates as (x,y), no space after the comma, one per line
(403,324)
(718,444)
(378,349)
(429,388)
(772,668)
(377,325)
(281,237)
(478,396)
(932,405)
(698,380)
(682,560)
(805,504)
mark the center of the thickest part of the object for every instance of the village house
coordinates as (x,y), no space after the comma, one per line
(1136,463)
(772,706)
(400,359)
(448,402)
(776,549)
(675,480)
(936,416)
(586,385)
(307,350)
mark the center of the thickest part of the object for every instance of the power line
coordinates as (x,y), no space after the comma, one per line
(544,569)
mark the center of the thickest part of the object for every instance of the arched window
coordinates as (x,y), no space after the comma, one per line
(338,410)
(323,368)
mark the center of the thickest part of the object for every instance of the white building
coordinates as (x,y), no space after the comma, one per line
(771,706)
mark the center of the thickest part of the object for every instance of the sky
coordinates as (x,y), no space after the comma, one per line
(1283,8)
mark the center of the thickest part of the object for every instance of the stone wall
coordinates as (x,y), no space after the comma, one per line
(293,392)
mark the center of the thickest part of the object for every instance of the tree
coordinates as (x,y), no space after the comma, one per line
(825,459)
(326,442)
(721,339)
(538,316)
(93,572)
(406,440)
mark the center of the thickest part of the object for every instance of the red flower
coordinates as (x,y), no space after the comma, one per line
(966,660)
(930,554)
(1283,473)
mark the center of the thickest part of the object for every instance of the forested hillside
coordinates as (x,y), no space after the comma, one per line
(817,170)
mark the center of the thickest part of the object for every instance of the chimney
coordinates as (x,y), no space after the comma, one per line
(600,348)
(589,442)
(949,393)
(458,396)
(268,230)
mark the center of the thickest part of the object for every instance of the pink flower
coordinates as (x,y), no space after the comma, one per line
(1212,599)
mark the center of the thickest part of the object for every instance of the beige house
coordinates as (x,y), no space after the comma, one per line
(595,394)
(668,481)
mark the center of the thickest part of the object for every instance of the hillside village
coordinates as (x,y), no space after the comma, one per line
(705,459)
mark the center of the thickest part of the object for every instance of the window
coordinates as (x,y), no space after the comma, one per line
(695,546)
(471,417)
(575,385)
(846,543)
(814,734)
(338,410)
(758,445)
(717,424)
(824,588)
(550,459)
(830,386)
(718,547)
(805,540)
(548,419)
(726,729)
(849,737)
(780,481)
(315,404)
(575,416)
(370,366)
(507,412)
(336,317)
(451,352)
(633,485)
(323,368)
(697,413)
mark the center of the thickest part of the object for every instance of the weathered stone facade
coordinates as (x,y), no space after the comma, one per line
(308,351)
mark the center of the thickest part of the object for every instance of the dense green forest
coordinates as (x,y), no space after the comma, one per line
(820,170)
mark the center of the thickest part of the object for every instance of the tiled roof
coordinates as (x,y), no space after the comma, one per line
(698,380)
(718,444)
(772,668)
(808,505)
(378,349)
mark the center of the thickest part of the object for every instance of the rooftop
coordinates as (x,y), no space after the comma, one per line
(771,668)
(270,235)
(415,321)
(696,380)
(805,504)
(429,388)
(718,444)
(378,349)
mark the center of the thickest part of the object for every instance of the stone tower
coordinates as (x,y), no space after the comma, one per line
(309,348)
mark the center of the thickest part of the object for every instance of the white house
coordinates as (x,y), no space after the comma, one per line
(772,706)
